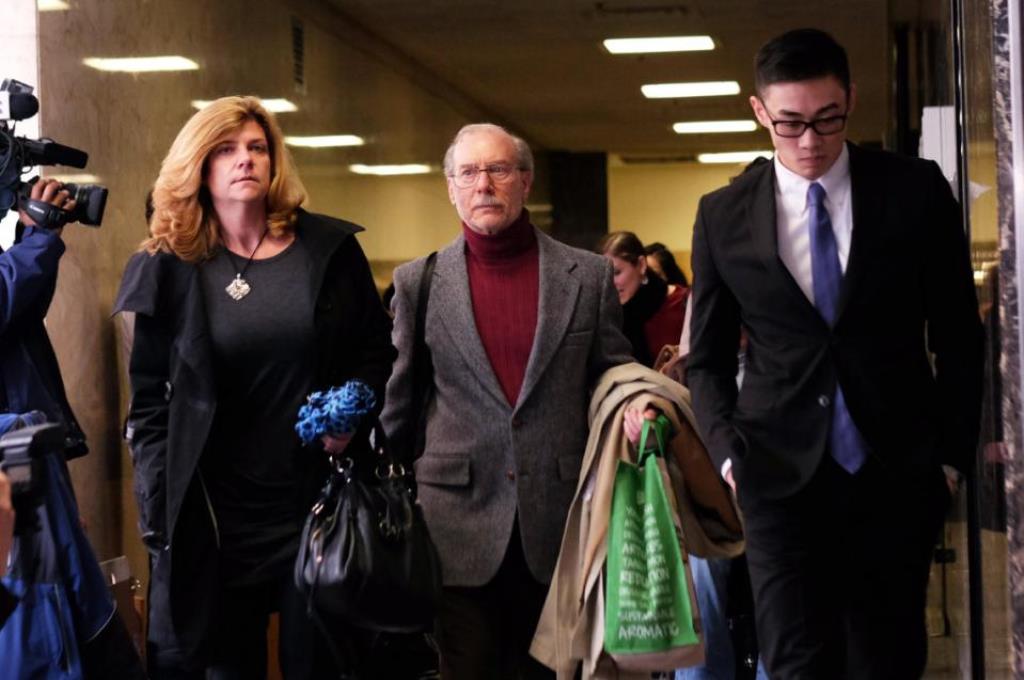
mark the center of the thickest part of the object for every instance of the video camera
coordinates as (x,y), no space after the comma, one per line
(21,453)
(18,154)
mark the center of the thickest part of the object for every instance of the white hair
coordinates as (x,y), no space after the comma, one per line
(524,157)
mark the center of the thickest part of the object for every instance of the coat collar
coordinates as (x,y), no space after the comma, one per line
(867,213)
(557,298)
(761,218)
(559,289)
(321,235)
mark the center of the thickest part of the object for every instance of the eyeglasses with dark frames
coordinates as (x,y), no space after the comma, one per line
(467,176)
(829,125)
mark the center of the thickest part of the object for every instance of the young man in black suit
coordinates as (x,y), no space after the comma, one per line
(849,271)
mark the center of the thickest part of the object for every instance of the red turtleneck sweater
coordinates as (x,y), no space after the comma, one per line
(504,283)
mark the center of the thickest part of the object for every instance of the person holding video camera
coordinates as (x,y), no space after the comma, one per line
(29,374)
(62,617)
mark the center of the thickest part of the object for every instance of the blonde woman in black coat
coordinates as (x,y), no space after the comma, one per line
(244,304)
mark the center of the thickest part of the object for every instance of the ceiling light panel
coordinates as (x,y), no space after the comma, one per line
(142,64)
(52,6)
(676,43)
(324,141)
(404,169)
(272,105)
(732,156)
(705,89)
(713,126)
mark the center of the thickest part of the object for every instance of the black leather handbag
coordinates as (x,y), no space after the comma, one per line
(365,558)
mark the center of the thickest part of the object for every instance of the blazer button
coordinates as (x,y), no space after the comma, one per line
(168,390)
(824,401)
(511,475)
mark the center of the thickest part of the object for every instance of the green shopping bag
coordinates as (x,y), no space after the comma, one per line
(649,613)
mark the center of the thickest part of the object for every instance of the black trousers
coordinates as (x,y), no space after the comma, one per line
(486,632)
(840,572)
(239,652)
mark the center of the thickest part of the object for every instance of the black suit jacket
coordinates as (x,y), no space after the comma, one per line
(906,348)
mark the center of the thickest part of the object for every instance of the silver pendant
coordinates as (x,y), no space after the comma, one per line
(238,288)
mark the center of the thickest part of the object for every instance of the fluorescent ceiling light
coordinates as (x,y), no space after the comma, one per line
(715,126)
(322,141)
(708,89)
(52,5)
(732,156)
(142,64)
(272,105)
(406,169)
(675,43)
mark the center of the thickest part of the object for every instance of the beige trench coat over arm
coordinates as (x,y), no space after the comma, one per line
(571,627)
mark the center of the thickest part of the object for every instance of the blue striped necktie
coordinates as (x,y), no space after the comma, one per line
(845,441)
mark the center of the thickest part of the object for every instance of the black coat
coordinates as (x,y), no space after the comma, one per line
(174,401)
(908,293)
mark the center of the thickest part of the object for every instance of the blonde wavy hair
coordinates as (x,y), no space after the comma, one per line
(184,221)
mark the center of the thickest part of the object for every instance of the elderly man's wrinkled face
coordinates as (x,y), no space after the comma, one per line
(488,189)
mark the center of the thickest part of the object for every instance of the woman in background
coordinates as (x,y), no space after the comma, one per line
(662,262)
(244,303)
(652,313)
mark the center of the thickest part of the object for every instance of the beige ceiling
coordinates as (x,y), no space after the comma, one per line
(538,65)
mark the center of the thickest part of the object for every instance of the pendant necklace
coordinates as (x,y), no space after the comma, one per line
(239,287)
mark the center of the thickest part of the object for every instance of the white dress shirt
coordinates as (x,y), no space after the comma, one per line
(792,217)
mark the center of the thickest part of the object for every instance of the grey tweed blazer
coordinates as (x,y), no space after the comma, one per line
(484,461)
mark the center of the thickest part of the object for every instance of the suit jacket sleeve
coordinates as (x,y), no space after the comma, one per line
(714,341)
(610,348)
(955,333)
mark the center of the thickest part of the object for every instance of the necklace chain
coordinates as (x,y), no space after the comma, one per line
(239,287)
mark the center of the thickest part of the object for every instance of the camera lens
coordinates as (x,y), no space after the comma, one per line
(90,201)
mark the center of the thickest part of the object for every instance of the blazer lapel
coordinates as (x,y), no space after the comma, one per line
(558,292)
(454,305)
(865,194)
(762,218)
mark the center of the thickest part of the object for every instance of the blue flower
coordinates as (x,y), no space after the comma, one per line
(336,411)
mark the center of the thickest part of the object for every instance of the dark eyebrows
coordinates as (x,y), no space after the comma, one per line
(817,114)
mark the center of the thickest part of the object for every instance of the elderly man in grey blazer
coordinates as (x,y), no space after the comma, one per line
(519,327)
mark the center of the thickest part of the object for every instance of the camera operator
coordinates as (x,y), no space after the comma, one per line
(51,557)
(29,373)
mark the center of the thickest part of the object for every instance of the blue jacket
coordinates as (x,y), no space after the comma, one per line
(29,374)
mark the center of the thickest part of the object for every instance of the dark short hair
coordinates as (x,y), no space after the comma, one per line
(802,54)
(669,266)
